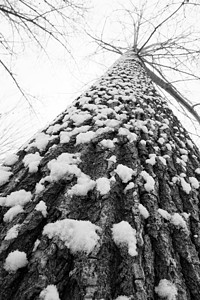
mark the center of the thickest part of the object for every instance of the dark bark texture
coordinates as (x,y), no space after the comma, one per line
(124,98)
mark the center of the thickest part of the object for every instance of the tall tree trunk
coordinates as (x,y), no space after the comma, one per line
(119,217)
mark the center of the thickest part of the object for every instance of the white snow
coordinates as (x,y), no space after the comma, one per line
(123,233)
(12,212)
(79,118)
(129,186)
(4,175)
(20,197)
(197,171)
(151,160)
(161,141)
(178,220)
(32,161)
(77,235)
(12,232)
(150,182)
(65,164)
(163,160)
(49,293)
(84,137)
(113,159)
(185,186)
(64,137)
(164,214)
(143,211)
(36,244)
(130,135)
(11,159)
(103,185)
(15,260)
(124,172)
(166,289)
(194,182)
(106,143)
(168,146)
(41,141)
(41,206)
(83,186)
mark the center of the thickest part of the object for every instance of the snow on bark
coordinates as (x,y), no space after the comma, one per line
(119,177)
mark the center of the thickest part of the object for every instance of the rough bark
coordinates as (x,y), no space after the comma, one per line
(165,250)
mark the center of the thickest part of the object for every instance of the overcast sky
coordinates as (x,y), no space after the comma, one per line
(56,80)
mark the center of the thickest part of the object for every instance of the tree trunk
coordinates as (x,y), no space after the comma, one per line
(131,184)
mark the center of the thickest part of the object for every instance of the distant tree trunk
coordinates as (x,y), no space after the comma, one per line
(123,132)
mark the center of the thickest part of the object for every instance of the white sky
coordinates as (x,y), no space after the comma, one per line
(55,81)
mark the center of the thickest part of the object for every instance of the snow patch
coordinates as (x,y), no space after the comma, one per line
(123,233)
(83,186)
(166,289)
(177,220)
(12,232)
(185,186)
(143,211)
(77,235)
(124,172)
(164,214)
(4,175)
(65,164)
(103,185)
(20,197)
(194,182)
(11,159)
(129,187)
(32,161)
(84,137)
(150,182)
(12,212)
(41,206)
(15,260)
(49,293)
(106,143)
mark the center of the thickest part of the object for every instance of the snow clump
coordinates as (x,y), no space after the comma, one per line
(41,206)
(20,197)
(10,159)
(122,298)
(77,235)
(150,182)
(143,211)
(65,164)
(194,182)
(15,260)
(106,143)
(151,160)
(12,212)
(4,175)
(103,185)
(178,220)
(166,289)
(84,137)
(49,293)
(123,233)
(12,232)
(124,172)
(32,161)
(164,214)
(83,186)
(185,186)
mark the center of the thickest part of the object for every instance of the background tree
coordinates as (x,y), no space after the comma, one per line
(30,25)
